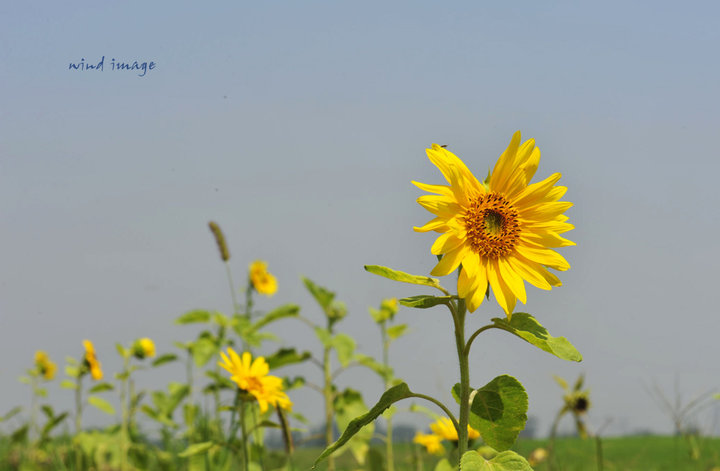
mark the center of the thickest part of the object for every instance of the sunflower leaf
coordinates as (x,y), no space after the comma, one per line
(287,310)
(402,276)
(101,404)
(286,356)
(392,395)
(527,328)
(198,315)
(499,411)
(505,461)
(424,301)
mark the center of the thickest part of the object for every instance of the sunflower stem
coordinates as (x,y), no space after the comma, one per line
(459,320)
(243,432)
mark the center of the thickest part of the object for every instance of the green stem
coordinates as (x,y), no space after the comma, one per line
(328,393)
(459,320)
(553,433)
(124,408)
(33,408)
(475,334)
(236,306)
(78,404)
(450,415)
(389,432)
(243,431)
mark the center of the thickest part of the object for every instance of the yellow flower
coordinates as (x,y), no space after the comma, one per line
(444,428)
(431,442)
(261,279)
(501,230)
(144,348)
(537,456)
(46,367)
(91,361)
(252,376)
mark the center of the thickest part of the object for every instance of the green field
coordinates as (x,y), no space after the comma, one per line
(642,453)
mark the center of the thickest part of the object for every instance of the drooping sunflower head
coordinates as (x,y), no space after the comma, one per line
(44,366)
(253,378)
(262,280)
(91,362)
(502,231)
(444,428)
(143,348)
(431,442)
(578,402)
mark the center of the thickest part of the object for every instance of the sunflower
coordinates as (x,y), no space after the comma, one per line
(502,231)
(144,348)
(444,428)
(431,442)
(91,361)
(44,366)
(252,377)
(261,279)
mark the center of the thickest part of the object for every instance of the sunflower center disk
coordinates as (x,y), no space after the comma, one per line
(492,226)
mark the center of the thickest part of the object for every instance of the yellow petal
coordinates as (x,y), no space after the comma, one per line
(547,257)
(504,166)
(445,243)
(437,224)
(503,294)
(438,189)
(450,261)
(512,280)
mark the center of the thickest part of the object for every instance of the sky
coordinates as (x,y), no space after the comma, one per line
(298,126)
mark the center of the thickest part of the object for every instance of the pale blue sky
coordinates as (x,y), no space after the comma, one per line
(298,127)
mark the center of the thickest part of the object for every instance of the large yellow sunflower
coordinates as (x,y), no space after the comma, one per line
(502,231)
(252,376)
(431,442)
(44,365)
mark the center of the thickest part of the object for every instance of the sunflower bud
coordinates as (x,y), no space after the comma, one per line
(220,240)
(143,348)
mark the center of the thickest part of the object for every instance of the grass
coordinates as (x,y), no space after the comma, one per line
(641,453)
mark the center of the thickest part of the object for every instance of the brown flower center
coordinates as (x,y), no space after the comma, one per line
(492,226)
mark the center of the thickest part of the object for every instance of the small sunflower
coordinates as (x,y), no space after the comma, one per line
(144,348)
(252,377)
(91,361)
(431,442)
(444,428)
(502,230)
(44,366)
(263,282)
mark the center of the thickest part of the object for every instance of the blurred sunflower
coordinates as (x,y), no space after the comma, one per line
(91,361)
(263,282)
(444,428)
(502,230)
(44,366)
(144,348)
(252,377)
(431,442)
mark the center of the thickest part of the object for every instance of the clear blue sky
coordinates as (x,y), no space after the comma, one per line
(298,127)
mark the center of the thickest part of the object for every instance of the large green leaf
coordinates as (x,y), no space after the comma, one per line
(397,331)
(196,449)
(505,461)
(444,465)
(101,404)
(527,328)
(203,350)
(288,310)
(392,395)
(499,411)
(100,387)
(12,413)
(324,297)
(402,276)
(345,347)
(349,405)
(286,356)
(424,301)
(197,315)
(166,358)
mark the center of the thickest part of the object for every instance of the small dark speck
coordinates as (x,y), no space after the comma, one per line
(225,97)
(217,189)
